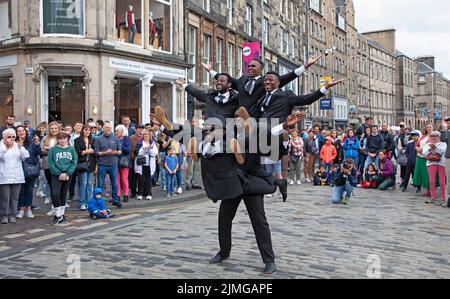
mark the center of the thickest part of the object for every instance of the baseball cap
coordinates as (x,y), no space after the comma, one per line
(415,132)
(140,127)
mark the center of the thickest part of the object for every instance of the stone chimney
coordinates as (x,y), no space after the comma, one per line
(428,60)
(385,38)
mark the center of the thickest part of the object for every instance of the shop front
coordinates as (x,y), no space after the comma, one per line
(6,86)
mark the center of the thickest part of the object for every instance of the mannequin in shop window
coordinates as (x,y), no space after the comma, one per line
(153,32)
(130,24)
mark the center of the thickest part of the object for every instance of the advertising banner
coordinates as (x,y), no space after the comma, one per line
(250,51)
(326,103)
(63,17)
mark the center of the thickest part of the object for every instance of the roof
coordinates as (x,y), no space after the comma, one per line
(424,68)
(401,54)
(380,30)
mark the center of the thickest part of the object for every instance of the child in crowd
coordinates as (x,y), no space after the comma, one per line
(320,178)
(171,166)
(370,173)
(411,154)
(345,182)
(333,175)
(96,206)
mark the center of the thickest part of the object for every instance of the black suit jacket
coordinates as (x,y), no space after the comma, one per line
(214,109)
(247,100)
(282,103)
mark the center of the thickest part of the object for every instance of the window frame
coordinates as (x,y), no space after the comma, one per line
(41,23)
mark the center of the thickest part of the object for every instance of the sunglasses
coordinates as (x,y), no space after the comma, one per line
(11,137)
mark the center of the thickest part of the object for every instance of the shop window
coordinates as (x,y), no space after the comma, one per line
(66,99)
(127,99)
(63,17)
(129,21)
(162,95)
(5,19)
(6,97)
(161,25)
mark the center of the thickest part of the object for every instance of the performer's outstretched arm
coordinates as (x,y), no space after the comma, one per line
(197,93)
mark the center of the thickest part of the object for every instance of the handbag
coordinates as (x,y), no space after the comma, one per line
(31,171)
(402,160)
(83,167)
(124,161)
(141,160)
(433,157)
(294,157)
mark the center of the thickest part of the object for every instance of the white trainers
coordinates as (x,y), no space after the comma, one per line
(52,212)
(29,214)
(48,200)
(149,198)
(180,191)
(299,182)
(83,208)
(308,180)
(20,214)
(67,205)
(139,197)
(291,182)
(40,194)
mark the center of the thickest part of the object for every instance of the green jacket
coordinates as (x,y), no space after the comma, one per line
(62,160)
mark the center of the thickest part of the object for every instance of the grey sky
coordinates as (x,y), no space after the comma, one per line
(423,27)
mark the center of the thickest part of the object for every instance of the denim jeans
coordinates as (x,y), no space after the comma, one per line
(338,192)
(163,174)
(113,172)
(371,160)
(179,178)
(26,194)
(131,34)
(85,186)
(170,180)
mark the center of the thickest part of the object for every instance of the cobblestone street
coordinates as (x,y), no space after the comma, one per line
(311,237)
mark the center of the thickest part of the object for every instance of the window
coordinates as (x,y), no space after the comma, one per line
(315,4)
(219,47)
(239,63)
(161,25)
(248,20)
(6,97)
(63,17)
(421,78)
(5,19)
(266,31)
(230,59)
(192,51)
(207,5)
(285,42)
(293,86)
(230,12)
(206,56)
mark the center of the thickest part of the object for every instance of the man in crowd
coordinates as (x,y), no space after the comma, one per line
(362,129)
(126,121)
(388,139)
(375,145)
(10,120)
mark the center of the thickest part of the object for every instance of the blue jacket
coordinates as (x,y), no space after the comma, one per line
(342,178)
(34,151)
(96,205)
(411,153)
(351,147)
(321,140)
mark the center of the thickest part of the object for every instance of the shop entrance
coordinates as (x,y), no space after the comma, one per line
(6,97)
(127,99)
(66,99)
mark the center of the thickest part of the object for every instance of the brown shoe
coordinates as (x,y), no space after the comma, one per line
(192,146)
(236,149)
(160,115)
(243,113)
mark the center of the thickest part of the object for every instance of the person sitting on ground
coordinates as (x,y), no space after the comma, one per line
(345,182)
(334,172)
(368,177)
(386,172)
(96,206)
(320,178)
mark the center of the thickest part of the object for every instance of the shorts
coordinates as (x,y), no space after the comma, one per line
(274,168)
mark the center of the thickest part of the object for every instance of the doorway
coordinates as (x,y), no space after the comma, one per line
(66,99)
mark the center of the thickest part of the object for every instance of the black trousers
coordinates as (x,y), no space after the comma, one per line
(59,191)
(145,182)
(132,181)
(73,180)
(409,172)
(255,209)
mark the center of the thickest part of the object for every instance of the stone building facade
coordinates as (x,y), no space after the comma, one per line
(73,60)
(405,79)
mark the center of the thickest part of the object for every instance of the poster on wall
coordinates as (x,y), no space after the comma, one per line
(63,17)
(250,51)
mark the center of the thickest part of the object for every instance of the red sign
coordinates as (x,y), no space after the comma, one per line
(250,51)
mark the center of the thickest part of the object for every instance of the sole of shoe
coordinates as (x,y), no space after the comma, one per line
(236,149)
(192,146)
(160,115)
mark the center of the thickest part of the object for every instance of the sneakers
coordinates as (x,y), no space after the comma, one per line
(57,220)
(168,195)
(149,198)
(139,197)
(291,182)
(174,195)
(4,220)
(117,204)
(83,208)
(299,182)
(180,190)
(29,214)
(48,201)
(35,208)
(444,204)
(20,214)
(126,198)
(12,220)
(67,205)
(236,149)
(430,201)
(51,212)
(160,115)
(308,180)
(40,194)
(164,189)
(345,201)
(192,147)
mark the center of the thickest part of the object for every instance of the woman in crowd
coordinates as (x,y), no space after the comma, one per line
(337,142)
(62,163)
(386,174)
(145,165)
(31,171)
(12,154)
(311,150)
(434,153)
(47,144)
(421,178)
(124,162)
(84,146)
(351,147)
(296,147)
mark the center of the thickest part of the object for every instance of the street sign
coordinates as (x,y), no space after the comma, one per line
(326,104)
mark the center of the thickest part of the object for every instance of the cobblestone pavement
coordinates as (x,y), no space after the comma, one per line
(312,239)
